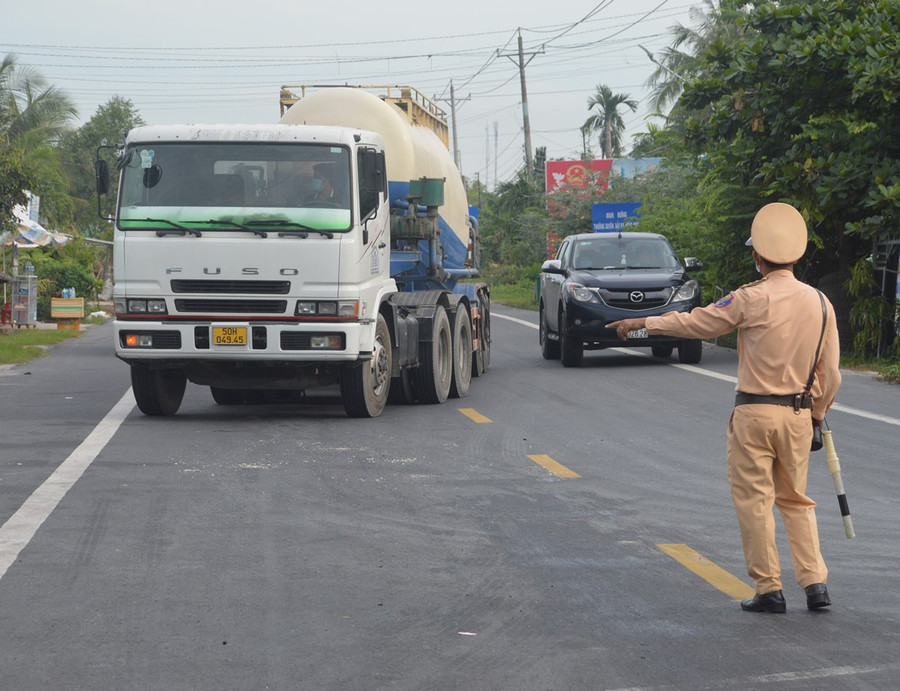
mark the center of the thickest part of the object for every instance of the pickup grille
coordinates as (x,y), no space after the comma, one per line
(621,299)
(231,287)
(235,306)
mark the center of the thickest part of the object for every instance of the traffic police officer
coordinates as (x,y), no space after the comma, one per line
(779,320)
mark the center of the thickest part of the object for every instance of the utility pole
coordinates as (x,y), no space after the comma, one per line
(526,123)
(456,159)
(496,151)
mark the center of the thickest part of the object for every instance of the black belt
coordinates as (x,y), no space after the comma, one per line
(798,400)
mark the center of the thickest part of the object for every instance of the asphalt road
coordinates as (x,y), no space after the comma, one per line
(555,529)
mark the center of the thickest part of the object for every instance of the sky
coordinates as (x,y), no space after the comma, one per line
(225,61)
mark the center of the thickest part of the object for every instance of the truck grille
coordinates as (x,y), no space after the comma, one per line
(236,306)
(231,287)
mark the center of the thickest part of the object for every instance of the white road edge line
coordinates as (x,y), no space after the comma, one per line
(724,377)
(17,532)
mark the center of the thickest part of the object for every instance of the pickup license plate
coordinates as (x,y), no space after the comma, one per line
(638,333)
(229,335)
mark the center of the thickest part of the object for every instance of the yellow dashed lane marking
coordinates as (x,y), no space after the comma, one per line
(556,468)
(708,571)
(474,415)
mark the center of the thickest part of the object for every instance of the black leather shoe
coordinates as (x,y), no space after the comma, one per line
(772,603)
(817,596)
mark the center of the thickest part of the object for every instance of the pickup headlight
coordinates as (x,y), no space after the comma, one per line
(686,292)
(581,294)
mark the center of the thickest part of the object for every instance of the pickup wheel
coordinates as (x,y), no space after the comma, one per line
(549,349)
(462,352)
(435,370)
(157,392)
(571,350)
(690,351)
(365,385)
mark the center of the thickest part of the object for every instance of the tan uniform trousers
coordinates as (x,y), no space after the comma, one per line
(768,459)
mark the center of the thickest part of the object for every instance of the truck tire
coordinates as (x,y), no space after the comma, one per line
(462,353)
(435,370)
(549,348)
(157,392)
(365,385)
(690,351)
(481,358)
(227,396)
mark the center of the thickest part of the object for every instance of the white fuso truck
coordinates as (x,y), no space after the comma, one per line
(333,248)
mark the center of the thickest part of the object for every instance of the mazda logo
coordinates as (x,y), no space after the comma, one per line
(636,296)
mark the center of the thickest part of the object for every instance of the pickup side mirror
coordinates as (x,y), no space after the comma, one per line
(693,263)
(551,266)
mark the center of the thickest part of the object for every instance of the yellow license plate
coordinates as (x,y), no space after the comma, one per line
(229,335)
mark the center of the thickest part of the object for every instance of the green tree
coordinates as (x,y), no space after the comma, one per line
(78,150)
(802,107)
(33,115)
(607,122)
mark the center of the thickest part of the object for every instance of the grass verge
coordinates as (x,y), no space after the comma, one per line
(22,345)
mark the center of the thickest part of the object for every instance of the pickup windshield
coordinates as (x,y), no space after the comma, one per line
(242,185)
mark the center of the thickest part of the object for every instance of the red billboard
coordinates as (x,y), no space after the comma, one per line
(578,174)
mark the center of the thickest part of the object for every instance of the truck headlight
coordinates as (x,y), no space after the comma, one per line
(140,306)
(335,309)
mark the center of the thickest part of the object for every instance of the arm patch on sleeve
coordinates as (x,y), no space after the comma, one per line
(725,301)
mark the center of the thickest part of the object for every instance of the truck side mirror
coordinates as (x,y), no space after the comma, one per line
(101,169)
(373,171)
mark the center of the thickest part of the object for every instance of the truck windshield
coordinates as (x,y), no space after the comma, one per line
(231,185)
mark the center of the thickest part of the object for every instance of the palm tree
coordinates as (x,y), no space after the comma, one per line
(678,62)
(33,116)
(607,121)
(31,112)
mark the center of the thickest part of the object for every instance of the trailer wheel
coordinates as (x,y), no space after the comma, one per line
(462,353)
(365,385)
(157,392)
(435,370)
(481,359)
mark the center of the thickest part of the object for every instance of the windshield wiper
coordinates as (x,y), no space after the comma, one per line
(233,224)
(177,228)
(301,231)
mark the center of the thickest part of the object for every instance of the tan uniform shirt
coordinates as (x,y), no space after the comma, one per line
(779,320)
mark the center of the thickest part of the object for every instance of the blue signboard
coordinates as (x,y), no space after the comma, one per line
(608,218)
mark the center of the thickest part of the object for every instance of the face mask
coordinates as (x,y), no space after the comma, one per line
(757,269)
(317,185)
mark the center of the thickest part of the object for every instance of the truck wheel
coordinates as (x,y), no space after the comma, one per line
(462,353)
(549,349)
(157,392)
(435,370)
(481,359)
(365,385)
(227,396)
(690,351)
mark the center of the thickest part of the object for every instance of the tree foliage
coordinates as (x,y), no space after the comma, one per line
(802,107)
(78,150)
